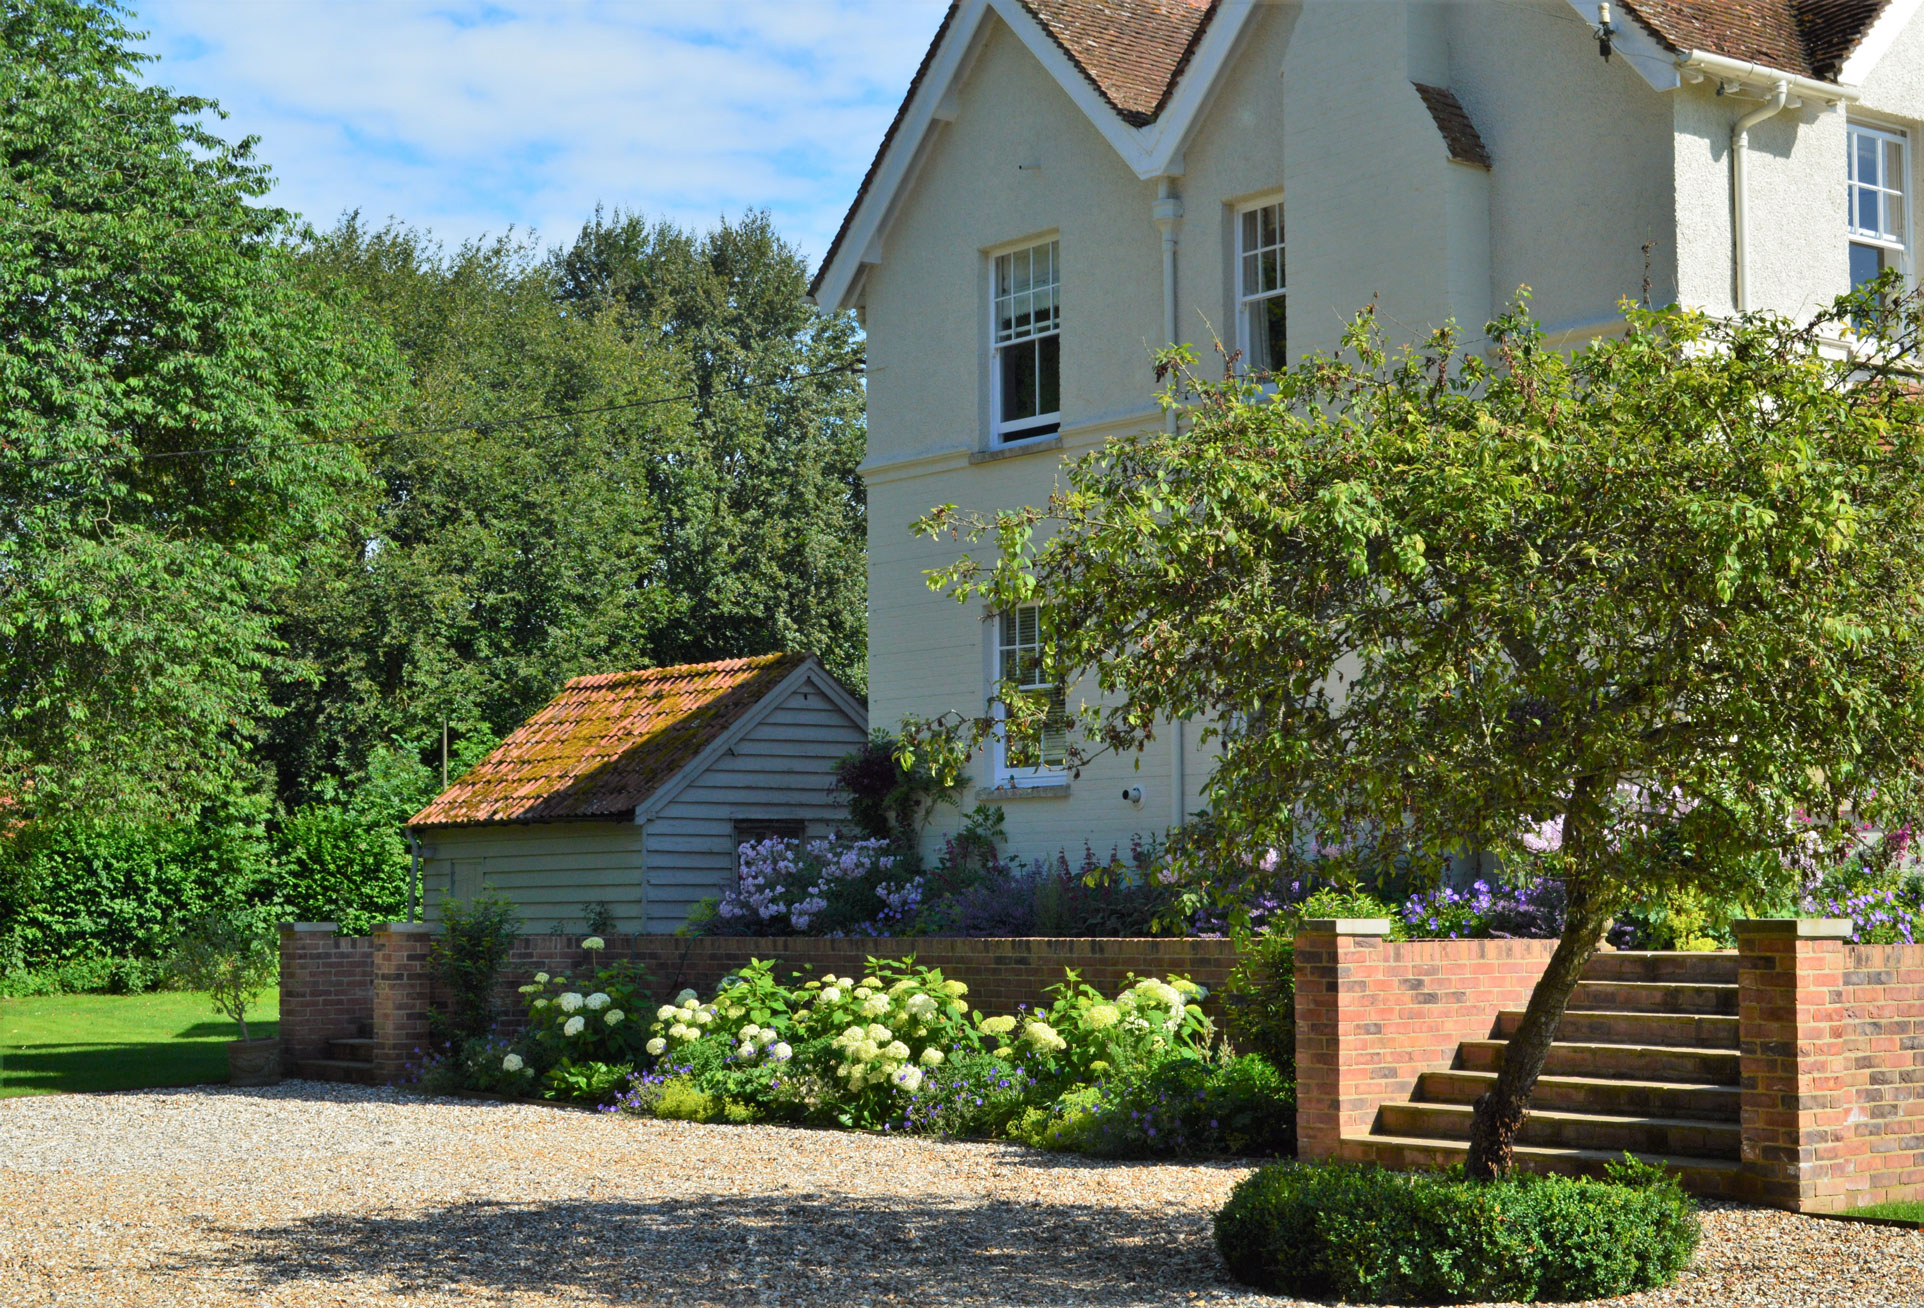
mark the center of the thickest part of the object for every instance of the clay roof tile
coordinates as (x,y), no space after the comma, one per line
(607,742)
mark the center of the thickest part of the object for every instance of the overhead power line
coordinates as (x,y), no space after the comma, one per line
(481,425)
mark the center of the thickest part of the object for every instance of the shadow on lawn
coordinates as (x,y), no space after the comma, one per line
(732,1249)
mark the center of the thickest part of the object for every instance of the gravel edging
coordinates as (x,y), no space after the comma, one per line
(317,1192)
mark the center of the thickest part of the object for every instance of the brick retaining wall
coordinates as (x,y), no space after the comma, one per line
(1374,1014)
(327,988)
(1832,1059)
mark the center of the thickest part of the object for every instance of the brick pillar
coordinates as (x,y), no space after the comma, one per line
(1790,1024)
(302,1023)
(1333,960)
(401,986)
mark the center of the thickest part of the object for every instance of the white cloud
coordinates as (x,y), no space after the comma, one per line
(467,117)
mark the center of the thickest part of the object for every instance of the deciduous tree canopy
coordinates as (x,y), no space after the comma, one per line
(1654,607)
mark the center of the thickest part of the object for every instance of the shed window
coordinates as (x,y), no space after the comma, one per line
(1879,211)
(1025,333)
(752,831)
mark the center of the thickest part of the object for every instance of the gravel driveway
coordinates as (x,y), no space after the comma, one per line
(312,1193)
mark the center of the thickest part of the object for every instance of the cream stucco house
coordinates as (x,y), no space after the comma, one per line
(1072,183)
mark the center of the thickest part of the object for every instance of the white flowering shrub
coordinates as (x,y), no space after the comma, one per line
(831,887)
(1150,1020)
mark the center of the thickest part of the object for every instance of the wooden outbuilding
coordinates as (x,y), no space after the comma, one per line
(634,790)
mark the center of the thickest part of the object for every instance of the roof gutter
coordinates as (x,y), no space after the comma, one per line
(1735,75)
(1781,91)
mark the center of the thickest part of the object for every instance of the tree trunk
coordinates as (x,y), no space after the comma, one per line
(1501,1110)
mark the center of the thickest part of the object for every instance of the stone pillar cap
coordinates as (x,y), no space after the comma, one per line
(1348,926)
(418,928)
(1803,928)
(329,927)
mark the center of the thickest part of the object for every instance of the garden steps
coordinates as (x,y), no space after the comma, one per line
(336,1069)
(1603,1027)
(1645,1062)
(1613,1095)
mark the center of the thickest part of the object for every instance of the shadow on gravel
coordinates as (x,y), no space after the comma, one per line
(728,1249)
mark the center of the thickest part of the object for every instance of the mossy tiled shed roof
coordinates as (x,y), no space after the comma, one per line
(607,742)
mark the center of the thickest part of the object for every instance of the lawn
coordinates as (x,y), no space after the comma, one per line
(61,1043)
(1901,1211)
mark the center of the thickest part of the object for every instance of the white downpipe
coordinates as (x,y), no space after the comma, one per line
(1166,213)
(1740,216)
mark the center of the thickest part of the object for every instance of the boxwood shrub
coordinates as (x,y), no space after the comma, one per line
(1366,1235)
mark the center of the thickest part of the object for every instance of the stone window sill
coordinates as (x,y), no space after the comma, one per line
(1022,447)
(1004,794)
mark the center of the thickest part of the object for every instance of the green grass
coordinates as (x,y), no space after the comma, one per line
(1901,1210)
(58,1044)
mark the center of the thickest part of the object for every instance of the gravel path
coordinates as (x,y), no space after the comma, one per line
(310,1193)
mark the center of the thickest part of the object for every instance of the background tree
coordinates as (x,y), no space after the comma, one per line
(771,550)
(1653,608)
(148,311)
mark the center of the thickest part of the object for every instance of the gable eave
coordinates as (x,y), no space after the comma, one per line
(811,672)
(1878,40)
(1151,150)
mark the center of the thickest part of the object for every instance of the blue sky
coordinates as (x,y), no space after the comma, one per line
(468,117)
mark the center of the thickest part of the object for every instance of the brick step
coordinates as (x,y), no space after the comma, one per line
(1622,1062)
(1655,997)
(337,1069)
(1716,1177)
(1719,968)
(1680,1137)
(353,1049)
(1685,1030)
(1587,1094)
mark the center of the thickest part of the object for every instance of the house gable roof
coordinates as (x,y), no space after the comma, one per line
(607,743)
(1808,38)
(1139,69)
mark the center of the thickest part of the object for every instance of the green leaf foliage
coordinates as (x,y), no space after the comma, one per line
(1361,1234)
(149,309)
(1653,605)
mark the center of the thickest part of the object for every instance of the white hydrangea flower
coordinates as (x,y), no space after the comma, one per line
(1043,1036)
(613,1017)
(594,942)
(657,1046)
(780,1052)
(570,1002)
(750,1031)
(681,1032)
(527,989)
(996,1026)
(512,1063)
(1101,1016)
(667,1013)
(880,1034)
(538,1005)
(597,1001)
(909,1079)
(897,1050)
(955,988)
(922,1006)
(704,1017)
(746,1049)
(871,982)
(831,995)
(687,999)
(875,1006)
(931,1057)
(863,992)
(573,1026)
(542,977)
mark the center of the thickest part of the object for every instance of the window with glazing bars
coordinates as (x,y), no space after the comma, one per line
(1260,283)
(1019,661)
(1026,331)
(1879,214)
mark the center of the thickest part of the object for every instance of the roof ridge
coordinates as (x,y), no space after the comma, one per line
(670,670)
